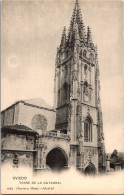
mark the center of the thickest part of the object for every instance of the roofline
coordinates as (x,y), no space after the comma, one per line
(12,105)
(12,130)
(40,107)
(28,104)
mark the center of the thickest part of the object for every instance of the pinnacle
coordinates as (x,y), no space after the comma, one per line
(89,37)
(96,52)
(88,30)
(63,39)
(64,30)
(77,4)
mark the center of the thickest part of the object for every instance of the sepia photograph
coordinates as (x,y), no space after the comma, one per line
(62,97)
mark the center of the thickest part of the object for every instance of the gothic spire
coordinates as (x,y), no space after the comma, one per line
(76,24)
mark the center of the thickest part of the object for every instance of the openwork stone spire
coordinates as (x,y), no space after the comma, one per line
(77,25)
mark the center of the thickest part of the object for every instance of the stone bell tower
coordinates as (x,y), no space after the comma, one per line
(77,95)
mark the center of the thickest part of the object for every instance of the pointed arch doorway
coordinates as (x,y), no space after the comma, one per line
(56,159)
(90,169)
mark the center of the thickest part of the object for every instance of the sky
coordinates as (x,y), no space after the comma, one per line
(31,32)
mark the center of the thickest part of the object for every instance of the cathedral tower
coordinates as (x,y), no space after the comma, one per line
(77,94)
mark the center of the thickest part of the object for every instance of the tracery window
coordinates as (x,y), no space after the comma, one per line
(39,122)
(88,130)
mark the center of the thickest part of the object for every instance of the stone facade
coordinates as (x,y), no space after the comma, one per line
(71,134)
(18,146)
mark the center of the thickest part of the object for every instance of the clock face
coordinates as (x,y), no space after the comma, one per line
(86,97)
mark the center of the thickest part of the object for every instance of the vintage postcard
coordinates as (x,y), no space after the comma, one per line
(62,97)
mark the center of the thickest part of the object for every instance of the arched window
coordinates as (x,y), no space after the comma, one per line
(91,57)
(81,52)
(85,87)
(86,83)
(66,71)
(84,53)
(65,91)
(67,52)
(59,95)
(88,130)
(85,69)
